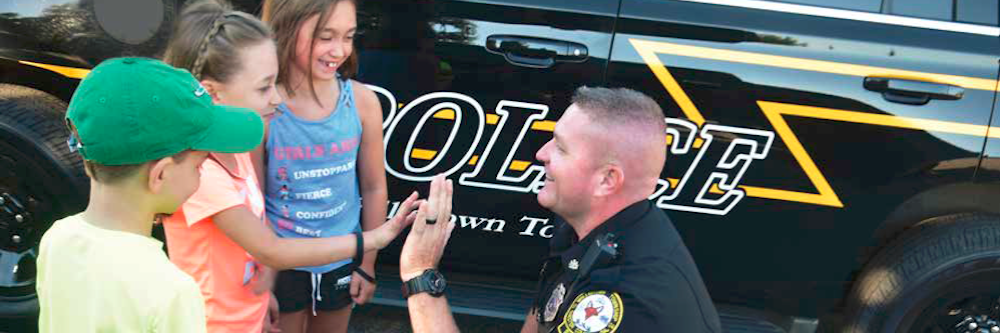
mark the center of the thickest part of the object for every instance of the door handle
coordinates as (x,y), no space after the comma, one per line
(535,52)
(913,92)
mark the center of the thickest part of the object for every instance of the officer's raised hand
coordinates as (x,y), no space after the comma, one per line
(430,233)
(423,285)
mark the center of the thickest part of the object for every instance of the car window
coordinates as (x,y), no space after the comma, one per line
(977,11)
(862,5)
(932,9)
(967,11)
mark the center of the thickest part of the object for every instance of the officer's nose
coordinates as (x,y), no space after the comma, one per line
(543,154)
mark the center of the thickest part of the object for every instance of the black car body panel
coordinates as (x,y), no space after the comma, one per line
(450,59)
(843,157)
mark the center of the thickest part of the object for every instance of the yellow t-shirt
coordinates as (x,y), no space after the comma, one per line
(92,279)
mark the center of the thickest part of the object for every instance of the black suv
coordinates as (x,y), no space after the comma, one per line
(831,163)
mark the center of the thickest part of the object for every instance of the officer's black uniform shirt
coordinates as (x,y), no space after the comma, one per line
(652,286)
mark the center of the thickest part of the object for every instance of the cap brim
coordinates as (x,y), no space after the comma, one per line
(235,130)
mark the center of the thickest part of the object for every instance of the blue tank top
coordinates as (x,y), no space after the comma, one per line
(312,184)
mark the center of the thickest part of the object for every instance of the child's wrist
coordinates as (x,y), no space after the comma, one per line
(372,241)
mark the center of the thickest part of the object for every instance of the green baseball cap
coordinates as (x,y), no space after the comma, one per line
(135,110)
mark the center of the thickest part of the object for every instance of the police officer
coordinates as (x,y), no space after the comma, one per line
(616,263)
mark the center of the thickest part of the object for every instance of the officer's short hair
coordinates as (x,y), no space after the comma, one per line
(614,107)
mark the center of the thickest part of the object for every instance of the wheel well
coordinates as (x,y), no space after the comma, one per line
(939,201)
(13,72)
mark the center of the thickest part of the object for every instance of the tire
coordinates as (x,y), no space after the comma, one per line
(941,275)
(40,179)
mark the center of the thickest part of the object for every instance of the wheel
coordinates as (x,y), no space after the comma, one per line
(943,275)
(40,182)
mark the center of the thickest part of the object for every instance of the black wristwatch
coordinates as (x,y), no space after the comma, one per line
(431,282)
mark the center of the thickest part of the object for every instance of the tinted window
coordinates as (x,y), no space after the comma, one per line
(968,11)
(932,9)
(978,11)
(863,5)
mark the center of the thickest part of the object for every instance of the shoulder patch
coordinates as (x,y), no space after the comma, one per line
(594,311)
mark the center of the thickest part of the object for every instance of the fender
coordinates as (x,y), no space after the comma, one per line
(939,201)
(22,74)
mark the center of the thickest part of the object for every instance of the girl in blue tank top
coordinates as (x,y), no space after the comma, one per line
(324,157)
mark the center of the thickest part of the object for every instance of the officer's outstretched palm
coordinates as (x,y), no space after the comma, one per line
(430,233)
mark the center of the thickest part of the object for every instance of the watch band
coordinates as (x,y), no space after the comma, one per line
(364,275)
(431,282)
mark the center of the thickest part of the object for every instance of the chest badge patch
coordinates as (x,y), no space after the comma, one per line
(595,311)
(552,306)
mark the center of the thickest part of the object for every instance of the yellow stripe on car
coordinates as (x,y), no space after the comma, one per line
(70,72)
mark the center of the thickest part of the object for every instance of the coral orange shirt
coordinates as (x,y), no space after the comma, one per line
(219,265)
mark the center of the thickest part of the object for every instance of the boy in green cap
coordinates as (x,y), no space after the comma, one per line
(143,128)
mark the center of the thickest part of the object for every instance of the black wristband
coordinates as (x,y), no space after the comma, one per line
(359,253)
(364,275)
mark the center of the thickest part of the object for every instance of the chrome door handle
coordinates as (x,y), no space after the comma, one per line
(913,92)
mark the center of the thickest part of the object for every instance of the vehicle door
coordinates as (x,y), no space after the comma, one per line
(798,126)
(472,89)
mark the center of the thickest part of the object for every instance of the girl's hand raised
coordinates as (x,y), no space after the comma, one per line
(383,235)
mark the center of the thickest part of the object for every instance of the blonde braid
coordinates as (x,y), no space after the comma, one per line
(199,62)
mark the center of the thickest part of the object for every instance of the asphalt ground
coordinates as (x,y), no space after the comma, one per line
(378,318)
(365,319)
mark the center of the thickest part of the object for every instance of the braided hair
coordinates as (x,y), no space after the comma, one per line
(199,61)
(208,37)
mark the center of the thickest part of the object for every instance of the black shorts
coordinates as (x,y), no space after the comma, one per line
(294,290)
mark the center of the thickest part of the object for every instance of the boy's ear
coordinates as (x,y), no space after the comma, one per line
(88,170)
(212,87)
(158,174)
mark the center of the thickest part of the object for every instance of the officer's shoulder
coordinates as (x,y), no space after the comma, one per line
(653,235)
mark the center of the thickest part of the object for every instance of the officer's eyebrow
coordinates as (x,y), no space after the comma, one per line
(558,140)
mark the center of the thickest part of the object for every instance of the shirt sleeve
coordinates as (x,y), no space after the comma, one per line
(216,192)
(183,312)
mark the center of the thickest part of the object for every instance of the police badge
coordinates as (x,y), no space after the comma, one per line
(552,306)
(595,311)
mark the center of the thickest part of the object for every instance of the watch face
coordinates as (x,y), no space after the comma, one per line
(431,281)
(437,282)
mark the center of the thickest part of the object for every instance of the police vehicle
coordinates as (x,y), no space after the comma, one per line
(832,165)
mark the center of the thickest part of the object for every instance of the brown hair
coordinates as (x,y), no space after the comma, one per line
(208,37)
(114,174)
(285,18)
(619,106)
